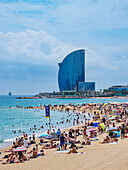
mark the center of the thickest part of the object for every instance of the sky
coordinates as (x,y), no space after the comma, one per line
(35,35)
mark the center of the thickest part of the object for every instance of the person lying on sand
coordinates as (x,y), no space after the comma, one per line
(34,155)
(41,141)
(73,149)
(22,157)
(11,158)
(50,146)
(114,139)
(86,142)
(106,140)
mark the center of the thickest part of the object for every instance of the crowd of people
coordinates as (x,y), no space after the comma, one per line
(107,118)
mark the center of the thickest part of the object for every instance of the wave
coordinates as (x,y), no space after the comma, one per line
(8,140)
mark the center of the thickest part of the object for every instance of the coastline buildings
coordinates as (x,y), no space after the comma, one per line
(71,76)
(118,90)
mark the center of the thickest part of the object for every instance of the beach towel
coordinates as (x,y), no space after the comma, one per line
(111,143)
(64,151)
(77,153)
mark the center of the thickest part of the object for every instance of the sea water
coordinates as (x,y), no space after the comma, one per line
(15,119)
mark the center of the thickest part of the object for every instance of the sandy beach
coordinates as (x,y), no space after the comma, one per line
(95,156)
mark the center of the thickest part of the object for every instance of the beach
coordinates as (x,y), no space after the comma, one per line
(109,155)
(96,156)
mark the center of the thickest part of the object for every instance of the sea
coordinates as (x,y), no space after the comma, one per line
(13,119)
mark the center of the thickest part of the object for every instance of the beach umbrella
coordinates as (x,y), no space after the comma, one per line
(111,118)
(105,115)
(93,129)
(117,133)
(20,149)
(77,113)
(48,137)
(112,128)
(90,127)
(43,135)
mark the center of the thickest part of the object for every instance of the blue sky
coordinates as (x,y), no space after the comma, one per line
(36,35)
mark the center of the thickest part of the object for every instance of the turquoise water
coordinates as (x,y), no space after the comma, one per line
(12,119)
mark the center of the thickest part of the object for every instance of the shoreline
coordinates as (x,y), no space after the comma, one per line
(37,136)
(75,97)
(62,130)
(10,140)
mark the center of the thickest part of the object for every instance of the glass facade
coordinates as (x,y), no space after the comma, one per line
(72,70)
(86,86)
(119,89)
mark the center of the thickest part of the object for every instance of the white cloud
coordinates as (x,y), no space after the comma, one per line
(32,47)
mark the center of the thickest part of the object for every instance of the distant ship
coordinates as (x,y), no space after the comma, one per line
(9,93)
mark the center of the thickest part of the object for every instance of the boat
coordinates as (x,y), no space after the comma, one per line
(9,93)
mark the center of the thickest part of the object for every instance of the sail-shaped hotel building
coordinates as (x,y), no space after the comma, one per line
(72,73)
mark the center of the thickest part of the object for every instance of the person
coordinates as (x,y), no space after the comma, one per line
(115,139)
(22,157)
(66,141)
(111,134)
(26,144)
(84,135)
(73,148)
(87,142)
(16,143)
(91,124)
(70,133)
(77,121)
(62,141)
(34,155)
(104,121)
(36,148)
(31,141)
(33,136)
(20,153)
(11,158)
(26,136)
(41,141)
(58,133)
(122,131)
(106,140)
